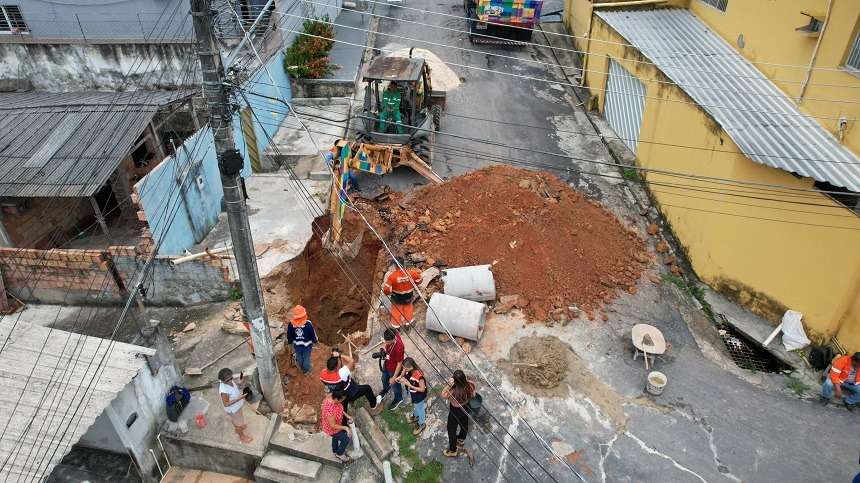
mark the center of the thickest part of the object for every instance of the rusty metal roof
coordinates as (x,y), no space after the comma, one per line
(395,68)
(68,144)
(760,118)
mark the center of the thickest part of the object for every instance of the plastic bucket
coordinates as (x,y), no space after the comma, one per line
(656,382)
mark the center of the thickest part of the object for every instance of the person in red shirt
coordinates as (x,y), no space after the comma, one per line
(391,366)
(332,415)
(399,286)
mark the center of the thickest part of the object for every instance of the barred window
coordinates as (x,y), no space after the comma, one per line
(853,60)
(720,5)
(11,20)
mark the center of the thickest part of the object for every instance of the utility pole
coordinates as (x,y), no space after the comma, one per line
(230,163)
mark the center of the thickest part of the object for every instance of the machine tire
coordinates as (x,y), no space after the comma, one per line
(436,110)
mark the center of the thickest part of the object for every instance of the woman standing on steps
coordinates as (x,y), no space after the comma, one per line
(233,400)
(331,417)
(459,391)
(415,382)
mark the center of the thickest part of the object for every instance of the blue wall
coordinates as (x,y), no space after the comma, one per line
(197,213)
(271,118)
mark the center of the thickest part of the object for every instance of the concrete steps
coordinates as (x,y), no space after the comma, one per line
(277,467)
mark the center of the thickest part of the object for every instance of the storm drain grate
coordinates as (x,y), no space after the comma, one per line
(747,354)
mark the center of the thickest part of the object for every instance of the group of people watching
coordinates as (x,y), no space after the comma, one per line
(397,372)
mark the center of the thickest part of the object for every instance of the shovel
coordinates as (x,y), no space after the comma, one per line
(198,371)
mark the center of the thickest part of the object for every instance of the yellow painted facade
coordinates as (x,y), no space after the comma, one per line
(768,255)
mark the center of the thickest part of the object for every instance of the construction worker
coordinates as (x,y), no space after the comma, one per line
(301,334)
(399,288)
(844,378)
(391,98)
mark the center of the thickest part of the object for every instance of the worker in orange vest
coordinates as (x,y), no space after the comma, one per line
(844,379)
(399,286)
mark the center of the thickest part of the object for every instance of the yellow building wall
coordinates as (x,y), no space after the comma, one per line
(775,41)
(768,255)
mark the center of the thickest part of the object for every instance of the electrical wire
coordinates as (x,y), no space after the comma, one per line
(552,64)
(585,37)
(604,163)
(778,115)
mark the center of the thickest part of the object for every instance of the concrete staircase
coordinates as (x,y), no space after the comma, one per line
(289,459)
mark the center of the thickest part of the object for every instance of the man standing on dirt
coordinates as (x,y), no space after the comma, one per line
(301,334)
(391,365)
(399,286)
(844,379)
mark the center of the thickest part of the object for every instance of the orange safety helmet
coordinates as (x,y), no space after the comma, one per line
(300,315)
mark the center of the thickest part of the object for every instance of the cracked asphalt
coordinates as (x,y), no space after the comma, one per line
(714,422)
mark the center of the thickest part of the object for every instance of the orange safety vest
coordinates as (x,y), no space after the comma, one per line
(401,281)
(839,371)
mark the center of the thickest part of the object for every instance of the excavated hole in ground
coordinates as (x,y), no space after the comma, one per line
(335,293)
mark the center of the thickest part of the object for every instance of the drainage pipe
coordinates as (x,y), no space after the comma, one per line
(471,283)
(463,318)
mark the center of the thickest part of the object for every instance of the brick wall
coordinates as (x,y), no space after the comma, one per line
(58,276)
(35,226)
(98,277)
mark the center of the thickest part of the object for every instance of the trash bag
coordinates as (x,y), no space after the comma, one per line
(820,357)
(793,335)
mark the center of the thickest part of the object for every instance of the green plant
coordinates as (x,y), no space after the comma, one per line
(419,472)
(691,290)
(630,174)
(307,57)
(235,293)
(795,385)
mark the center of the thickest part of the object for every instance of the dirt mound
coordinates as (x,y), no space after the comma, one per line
(302,389)
(546,242)
(540,362)
(316,280)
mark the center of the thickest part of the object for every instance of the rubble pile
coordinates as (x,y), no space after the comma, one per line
(554,253)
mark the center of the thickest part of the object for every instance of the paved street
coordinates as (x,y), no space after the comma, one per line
(711,423)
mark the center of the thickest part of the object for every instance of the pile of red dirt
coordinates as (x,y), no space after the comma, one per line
(545,242)
(316,279)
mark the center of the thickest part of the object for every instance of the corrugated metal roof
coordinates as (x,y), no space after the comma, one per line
(768,128)
(62,369)
(109,124)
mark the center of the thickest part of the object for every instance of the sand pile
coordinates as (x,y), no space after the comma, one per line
(547,243)
(540,362)
(442,77)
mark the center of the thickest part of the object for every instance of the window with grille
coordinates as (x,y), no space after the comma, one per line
(853,60)
(720,5)
(11,20)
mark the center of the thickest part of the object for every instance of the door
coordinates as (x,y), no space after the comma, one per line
(625,102)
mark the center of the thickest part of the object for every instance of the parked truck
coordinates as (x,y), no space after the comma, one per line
(507,22)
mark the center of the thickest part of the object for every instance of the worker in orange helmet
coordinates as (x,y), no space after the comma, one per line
(301,334)
(399,286)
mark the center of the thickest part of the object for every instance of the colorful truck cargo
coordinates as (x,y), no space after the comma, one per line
(502,21)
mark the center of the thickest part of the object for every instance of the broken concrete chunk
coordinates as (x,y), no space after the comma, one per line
(189,327)
(662,247)
(443,338)
(467,347)
(506,303)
